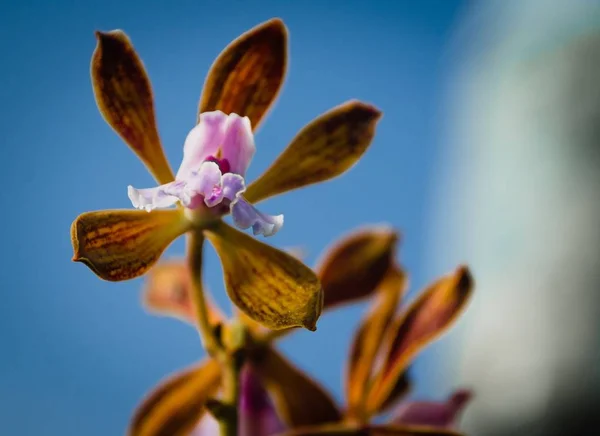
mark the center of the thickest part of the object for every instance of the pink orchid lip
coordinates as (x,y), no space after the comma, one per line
(216,155)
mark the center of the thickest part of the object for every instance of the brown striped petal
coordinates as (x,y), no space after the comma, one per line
(124,97)
(355,266)
(247,76)
(124,244)
(425,320)
(270,286)
(376,430)
(367,341)
(168,288)
(253,327)
(177,404)
(300,401)
(168,291)
(327,147)
(260,331)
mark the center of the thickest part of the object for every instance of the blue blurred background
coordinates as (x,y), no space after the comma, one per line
(78,353)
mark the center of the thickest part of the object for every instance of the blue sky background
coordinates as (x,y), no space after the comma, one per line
(78,353)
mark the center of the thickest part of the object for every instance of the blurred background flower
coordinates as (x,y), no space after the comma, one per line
(518,197)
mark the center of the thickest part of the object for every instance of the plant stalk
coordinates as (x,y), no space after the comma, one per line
(231,392)
(229,357)
(195,243)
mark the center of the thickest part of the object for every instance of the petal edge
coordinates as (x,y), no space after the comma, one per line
(292,390)
(272,287)
(325,148)
(123,244)
(175,406)
(248,74)
(355,265)
(125,99)
(425,320)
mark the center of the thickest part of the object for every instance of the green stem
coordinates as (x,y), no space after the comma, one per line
(194,255)
(231,392)
(228,354)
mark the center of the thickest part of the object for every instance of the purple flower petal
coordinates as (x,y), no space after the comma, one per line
(207,182)
(233,186)
(160,197)
(245,215)
(203,141)
(238,145)
(257,413)
(435,414)
(216,155)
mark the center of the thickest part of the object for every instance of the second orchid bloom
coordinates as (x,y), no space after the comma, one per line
(361,265)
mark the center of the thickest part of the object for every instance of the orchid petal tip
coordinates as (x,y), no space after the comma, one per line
(102,37)
(375,112)
(275,23)
(310,323)
(465,277)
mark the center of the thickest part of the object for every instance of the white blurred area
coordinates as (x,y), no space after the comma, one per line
(518,199)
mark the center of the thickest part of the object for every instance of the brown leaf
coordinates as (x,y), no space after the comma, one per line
(368,338)
(272,287)
(246,77)
(168,291)
(124,244)
(425,320)
(355,266)
(300,401)
(325,148)
(124,97)
(177,404)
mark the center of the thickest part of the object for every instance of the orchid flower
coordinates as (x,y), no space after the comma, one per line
(383,347)
(210,180)
(350,270)
(210,183)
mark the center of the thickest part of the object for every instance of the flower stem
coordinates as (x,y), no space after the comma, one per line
(194,255)
(231,392)
(225,348)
